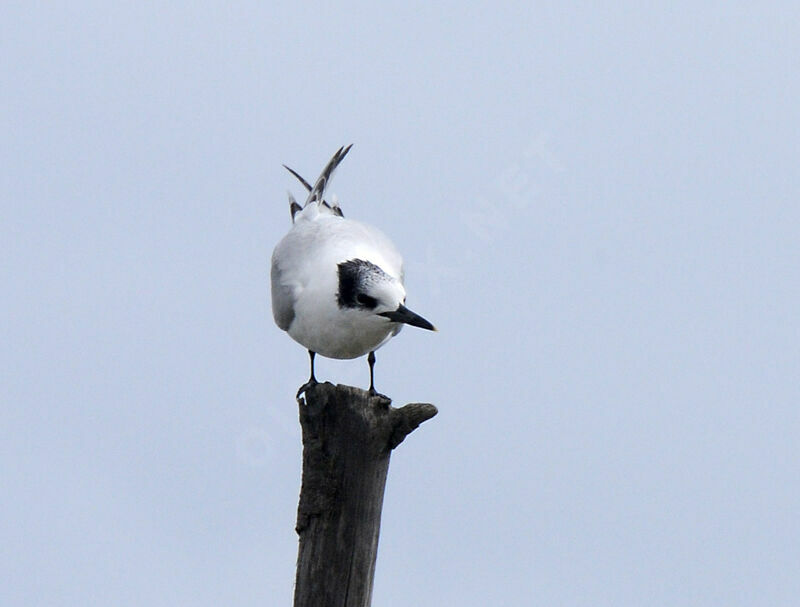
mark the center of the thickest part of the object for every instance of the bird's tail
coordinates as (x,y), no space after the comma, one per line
(294,208)
(317,192)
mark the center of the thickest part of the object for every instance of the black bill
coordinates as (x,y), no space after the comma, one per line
(404,315)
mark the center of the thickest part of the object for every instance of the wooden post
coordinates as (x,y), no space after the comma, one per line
(348,436)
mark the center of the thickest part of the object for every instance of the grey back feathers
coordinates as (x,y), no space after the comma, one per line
(282,298)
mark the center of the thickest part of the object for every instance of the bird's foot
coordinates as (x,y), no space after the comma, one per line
(373,393)
(309,384)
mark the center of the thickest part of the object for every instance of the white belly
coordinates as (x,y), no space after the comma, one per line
(336,333)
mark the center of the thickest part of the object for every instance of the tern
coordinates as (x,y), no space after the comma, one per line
(337,284)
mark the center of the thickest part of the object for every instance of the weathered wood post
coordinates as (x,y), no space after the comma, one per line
(348,437)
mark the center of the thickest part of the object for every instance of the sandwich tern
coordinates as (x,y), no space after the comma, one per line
(337,284)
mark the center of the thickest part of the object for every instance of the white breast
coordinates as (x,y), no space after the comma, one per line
(306,262)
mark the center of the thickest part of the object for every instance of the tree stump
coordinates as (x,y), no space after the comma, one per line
(348,437)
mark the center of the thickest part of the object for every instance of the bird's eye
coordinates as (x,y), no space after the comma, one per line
(366,300)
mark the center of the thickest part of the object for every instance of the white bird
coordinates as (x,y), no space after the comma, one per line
(337,284)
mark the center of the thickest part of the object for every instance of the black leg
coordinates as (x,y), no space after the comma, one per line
(312,381)
(371,362)
(372,390)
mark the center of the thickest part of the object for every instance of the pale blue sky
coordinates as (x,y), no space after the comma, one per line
(598,208)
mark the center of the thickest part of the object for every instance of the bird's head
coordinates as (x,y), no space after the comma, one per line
(365,287)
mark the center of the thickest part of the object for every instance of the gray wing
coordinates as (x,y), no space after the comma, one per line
(282,299)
